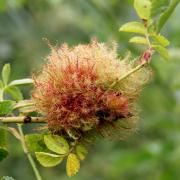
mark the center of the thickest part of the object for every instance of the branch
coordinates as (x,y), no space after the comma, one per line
(145,59)
(23,119)
(129,73)
(31,160)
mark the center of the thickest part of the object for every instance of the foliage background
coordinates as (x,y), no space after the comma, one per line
(154,151)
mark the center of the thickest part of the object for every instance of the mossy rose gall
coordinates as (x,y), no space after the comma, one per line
(74,90)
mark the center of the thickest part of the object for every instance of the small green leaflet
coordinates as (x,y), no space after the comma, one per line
(21,82)
(56,144)
(6,73)
(7,178)
(14,92)
(165,16)
(162,51)
(138,40)
(133,27)
(3,144)
(3,153)
(160,39)
(1,84)
(81,151)
(6,107)
(143,8)
(35,142)
(48,159)
(159,7)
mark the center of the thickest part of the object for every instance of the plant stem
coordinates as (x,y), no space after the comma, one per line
(129,73)
(25,149)
(148,41)
(22,119)
(24,103)
(1,94)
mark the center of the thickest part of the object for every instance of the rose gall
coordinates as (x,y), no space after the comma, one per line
(74,91)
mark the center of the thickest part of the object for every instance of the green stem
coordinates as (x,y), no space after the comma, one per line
(1,94)
(23,143)
(148,41)
(24,103)
(129,73)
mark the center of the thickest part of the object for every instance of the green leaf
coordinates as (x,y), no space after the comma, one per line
(56,144)
(48,159)
(3,153)
(158,7)
(7,178)
(133,27)
(162,51)
(14,92)
(35,142)
(160,39)
(3,136)
(3,144)
(138,40)
(143,8)
(6,107)
(6,73)
(72,165)
(21,82)
(81,151)
(165,16)
(1,84)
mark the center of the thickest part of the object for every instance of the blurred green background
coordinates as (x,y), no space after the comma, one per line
(153,153)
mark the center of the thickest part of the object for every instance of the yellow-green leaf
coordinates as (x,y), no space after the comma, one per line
(81,152)
(7,178)
(138,40)
(143,8)
(133,27)
(3,144)
(48,159)
(167,13)
(1,84)
(18,82)
(6,73)
(56,144)
(162,51)
(72,165)
(159,7)
(14,92)
(35,143)
(160,39)
(6,107)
